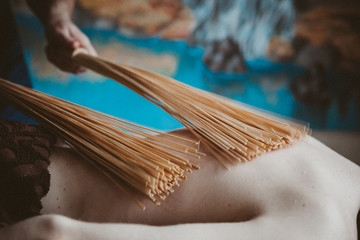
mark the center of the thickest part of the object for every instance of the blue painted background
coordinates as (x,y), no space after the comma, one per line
(265,85)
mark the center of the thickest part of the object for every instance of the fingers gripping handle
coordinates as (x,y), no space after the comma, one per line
(105,68)
(82,57)
(78,54)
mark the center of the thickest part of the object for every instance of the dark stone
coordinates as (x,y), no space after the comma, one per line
(224,56)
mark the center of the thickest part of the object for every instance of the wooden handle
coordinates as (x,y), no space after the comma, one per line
(117,72)
(82,57)
(79,54)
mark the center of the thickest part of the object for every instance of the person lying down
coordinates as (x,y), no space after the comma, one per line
(306,191)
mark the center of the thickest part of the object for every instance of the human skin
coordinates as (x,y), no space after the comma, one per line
(62,35)
(305,191)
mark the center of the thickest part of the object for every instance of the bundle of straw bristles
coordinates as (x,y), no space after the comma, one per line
(231,131)
(148,161)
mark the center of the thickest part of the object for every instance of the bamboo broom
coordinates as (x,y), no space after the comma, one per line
(145,160)
(231,131)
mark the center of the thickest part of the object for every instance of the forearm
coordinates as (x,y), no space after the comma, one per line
(94,231)
(208,231)
(52,11)
(62,35)
(60,227)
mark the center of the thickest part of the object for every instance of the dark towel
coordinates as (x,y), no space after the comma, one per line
(24,175)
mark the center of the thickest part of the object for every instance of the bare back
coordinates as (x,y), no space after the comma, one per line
(303,189)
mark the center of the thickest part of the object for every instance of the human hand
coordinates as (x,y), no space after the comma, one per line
(63,38)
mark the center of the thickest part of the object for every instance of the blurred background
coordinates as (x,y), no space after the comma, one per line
(297,58)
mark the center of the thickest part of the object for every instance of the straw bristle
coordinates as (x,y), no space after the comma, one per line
(131,155)
(230,131)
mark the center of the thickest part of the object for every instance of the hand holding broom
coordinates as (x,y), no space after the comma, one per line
(231,131)
(132,155)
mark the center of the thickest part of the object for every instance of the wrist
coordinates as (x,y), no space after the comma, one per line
(58,16)
(56,23)
(52,12)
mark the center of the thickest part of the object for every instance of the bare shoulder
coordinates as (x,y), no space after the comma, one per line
(303,190)
(316,188)
(335,168)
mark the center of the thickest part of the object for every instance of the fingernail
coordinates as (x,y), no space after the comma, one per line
(76,44)
(81,70)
